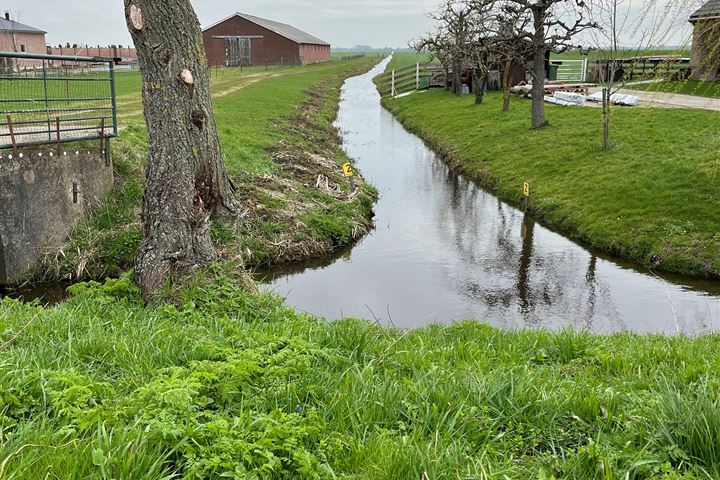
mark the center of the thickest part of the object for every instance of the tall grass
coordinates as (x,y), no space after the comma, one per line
(230,384)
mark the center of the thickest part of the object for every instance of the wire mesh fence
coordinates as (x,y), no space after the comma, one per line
(48,99)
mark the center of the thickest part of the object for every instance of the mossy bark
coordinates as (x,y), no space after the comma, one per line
(187,184)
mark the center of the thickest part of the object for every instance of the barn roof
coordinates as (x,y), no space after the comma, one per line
(9,25)
(282,29)
(708,11)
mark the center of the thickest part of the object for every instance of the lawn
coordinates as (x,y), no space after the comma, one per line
(686,87)
(277,138)
(652,198)
(224,383)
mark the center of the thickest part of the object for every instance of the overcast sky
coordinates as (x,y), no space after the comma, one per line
(345,23)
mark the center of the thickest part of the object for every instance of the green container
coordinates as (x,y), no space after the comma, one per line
(553,73)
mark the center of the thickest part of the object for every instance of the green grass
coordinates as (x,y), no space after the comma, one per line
(651,198)
(685,87)
(277,137)
(231,384)
(596,55)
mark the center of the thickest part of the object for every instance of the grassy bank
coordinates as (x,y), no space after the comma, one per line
(282,153)
(651,198)
(231,384)
(685,87)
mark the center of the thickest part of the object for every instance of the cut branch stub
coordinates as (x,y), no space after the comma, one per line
(135,18)
(187,77)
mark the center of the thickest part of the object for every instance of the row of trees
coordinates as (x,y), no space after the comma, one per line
(479,35)
(476,35)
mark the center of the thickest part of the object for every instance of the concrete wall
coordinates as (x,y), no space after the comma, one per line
(43,199)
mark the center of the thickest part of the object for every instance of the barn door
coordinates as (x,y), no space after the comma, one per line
(238,52)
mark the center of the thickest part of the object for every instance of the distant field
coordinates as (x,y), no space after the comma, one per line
(405,59)
(595,55)
(687,87)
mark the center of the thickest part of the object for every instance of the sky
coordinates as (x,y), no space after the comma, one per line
(343,23)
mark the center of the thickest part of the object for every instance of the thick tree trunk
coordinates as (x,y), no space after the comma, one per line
(187,184)
(457,87)
(538,86)
(479,85)
(506,86)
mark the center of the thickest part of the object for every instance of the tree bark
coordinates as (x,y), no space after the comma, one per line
(457,87)
(606,119)
(538,86)
(479,84)
(187,184)
(506,86)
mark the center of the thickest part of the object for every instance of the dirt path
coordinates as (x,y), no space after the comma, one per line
(670,100)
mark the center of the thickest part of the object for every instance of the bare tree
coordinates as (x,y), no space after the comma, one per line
(187,184)
(548,26)
(627,30)
(438,45)
(455,22)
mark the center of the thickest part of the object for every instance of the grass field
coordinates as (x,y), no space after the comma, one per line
(651,198)
(231,384)
(277,138)
(685,87)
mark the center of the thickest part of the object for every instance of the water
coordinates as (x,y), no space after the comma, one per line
(446,250)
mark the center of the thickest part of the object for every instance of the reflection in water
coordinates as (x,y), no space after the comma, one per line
(445,250)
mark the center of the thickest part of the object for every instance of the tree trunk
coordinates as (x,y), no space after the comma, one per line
(538,86)
(447,78)
(187,184)
(606,119)
(457,87)
(479,84)
(506,86)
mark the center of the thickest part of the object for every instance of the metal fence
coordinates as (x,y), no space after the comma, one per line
(46,99)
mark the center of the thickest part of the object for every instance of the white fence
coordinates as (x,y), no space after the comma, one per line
(571,70)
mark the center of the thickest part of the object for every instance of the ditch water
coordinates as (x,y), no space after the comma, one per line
(446,250)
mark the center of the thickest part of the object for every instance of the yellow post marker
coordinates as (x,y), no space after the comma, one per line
(526,189)
(348,170)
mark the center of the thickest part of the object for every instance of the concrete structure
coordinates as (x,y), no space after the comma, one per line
(705,58)
(247,40)
(44,197)
(20,38)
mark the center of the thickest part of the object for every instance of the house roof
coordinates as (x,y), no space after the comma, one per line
(9,25)
(708,11)
(282,29)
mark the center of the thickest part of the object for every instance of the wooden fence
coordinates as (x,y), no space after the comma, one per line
(403,80)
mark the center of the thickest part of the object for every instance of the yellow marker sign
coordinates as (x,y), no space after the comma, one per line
(348,170)
(526,189)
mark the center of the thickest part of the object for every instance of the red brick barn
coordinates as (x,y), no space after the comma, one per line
(247,40)
(19,38)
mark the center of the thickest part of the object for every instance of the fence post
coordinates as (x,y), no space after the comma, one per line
(392,89)
(584,71)
(417,76)
(47,100)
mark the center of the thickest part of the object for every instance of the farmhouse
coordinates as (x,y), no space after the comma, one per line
(16,37)
(243,40)
(705,58)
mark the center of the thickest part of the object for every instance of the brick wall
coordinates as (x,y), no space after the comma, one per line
(126,53)
(314,53)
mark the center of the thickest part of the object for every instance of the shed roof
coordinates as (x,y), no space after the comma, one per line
(708,11)
(282,29)
(12,26)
